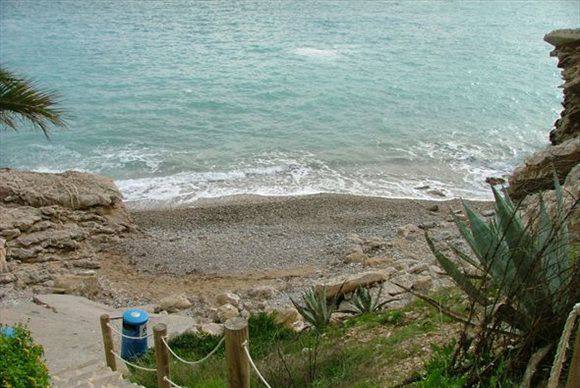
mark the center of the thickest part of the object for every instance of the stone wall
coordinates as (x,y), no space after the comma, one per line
(55,225)
(563,154)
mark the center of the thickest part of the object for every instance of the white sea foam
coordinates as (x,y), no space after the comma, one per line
(314,52)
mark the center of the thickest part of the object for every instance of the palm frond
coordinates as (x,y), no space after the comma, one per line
(21,102)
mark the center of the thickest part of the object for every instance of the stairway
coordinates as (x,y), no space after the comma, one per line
(91,374)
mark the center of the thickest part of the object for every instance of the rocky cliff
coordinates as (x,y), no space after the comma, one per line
(53,226)
(563,155)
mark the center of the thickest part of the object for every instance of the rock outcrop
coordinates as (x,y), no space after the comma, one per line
(54,225)
(567,49)
(563,154)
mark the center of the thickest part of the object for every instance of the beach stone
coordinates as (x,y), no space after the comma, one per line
(374,243)
(346,285)
(226,311)
(84,285)
(433,208)
(173,303)
(211,328)
(428,225)
(423,283)
(355,248)
(356,257)
(418,268)
(262,292)
(287,317)
(488,213)
(409,231)
(374,261)
(436,193)
(355,239)
(228,298)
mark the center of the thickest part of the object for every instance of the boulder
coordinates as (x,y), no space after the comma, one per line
(262,292)
(228,298)
(538,171)
(375,261)
(71,189)
(355,257)
(423,283)
(173,303)
(227,311)
(345,285)
(213,329)
(409,231)
(83,285)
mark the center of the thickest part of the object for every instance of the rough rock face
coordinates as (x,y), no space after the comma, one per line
(538,172)
(564,154)
(567,49)
(53,225)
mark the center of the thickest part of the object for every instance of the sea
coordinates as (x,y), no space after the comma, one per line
(182,100)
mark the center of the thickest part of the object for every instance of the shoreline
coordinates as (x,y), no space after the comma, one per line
(158,205)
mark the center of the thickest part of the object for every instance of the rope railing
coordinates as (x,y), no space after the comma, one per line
(165,378)
(131,364)
(193,362)
(253,364)
(114,329)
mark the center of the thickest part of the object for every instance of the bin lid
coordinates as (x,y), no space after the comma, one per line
(7,331)
(135,317)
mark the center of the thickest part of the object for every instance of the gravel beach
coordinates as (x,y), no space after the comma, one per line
(245,234)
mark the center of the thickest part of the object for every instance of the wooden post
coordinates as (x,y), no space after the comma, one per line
(574,374)
(236,333)
(108,342)
(161,355)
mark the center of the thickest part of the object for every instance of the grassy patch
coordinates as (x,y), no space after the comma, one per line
(368,350)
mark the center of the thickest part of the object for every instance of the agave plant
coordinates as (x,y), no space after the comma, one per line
(363,301)
(530,280)
(315,309)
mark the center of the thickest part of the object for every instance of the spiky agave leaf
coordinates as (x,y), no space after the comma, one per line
(22,101)
(490,249)
(458,276)
(315,309)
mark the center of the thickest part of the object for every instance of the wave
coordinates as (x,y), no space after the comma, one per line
(314,52)
(294,179)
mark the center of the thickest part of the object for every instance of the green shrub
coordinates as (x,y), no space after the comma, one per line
(363,301)
(529,284)
(21,361)
(315,308)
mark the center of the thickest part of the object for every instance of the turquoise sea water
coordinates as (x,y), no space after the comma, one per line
(183,99)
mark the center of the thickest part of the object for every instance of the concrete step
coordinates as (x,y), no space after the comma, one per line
(91,374)
(73,371)
(83,376)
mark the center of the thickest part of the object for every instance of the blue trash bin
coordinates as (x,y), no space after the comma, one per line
(134,325)
(7,331)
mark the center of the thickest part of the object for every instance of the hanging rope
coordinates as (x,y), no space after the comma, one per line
(114,329)
(262,379)
(171,382)
(133,365)
(193,362)
(562,346)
